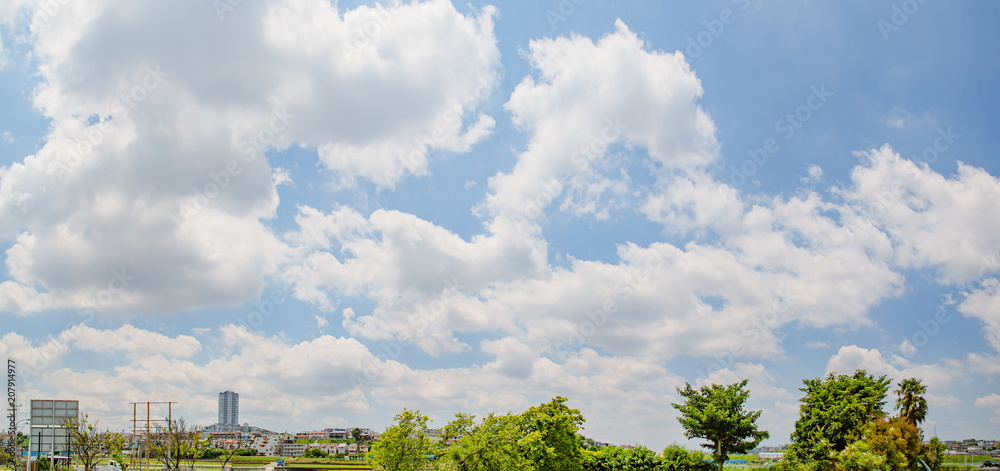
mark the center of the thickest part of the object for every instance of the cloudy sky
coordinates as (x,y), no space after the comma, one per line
(340,209)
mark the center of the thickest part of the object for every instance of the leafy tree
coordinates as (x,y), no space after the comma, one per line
(356,435)
(491,444)
(550,440)
(194,447)
(886,445)
(910,400)
(315,453)
(812,451)
(117,444)
(611,458)
(832,414)
(403,446)
(678,458)
(454,430)
(716,414)
(88,442)
(861,456)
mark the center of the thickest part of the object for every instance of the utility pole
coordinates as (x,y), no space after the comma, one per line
(150,423)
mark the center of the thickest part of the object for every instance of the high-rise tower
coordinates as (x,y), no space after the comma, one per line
(229,408)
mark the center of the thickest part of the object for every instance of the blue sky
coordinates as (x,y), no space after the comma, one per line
(340,210)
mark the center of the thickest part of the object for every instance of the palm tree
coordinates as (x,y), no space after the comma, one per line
(910,400)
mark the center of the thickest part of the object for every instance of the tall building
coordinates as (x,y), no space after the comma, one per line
(229,408)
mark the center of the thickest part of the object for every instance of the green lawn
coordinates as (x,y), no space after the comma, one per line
(959,459)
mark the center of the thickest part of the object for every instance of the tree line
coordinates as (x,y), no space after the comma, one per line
(842,426)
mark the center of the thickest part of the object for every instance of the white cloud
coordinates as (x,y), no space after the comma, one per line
(933,221)
(155,164)
(280,176)
(774,251)
(130,340)
(991,401)
(7,136)
(815,172)
(588,97)
(984,303)
(986,364)
(32,358)
(761,381)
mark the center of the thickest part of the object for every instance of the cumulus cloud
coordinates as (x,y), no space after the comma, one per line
(933,220)
(984,303)
(784,261)
(130,340)
(157,166)
(589,97)
(991,401)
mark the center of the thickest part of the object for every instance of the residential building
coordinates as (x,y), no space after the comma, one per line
(229,408)
(289,447)
(268,445)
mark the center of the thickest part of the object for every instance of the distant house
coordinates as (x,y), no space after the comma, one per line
(770,455)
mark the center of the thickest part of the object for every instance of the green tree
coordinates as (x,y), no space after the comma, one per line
(315,453)
(910,400)
(886,445)
(493,444)
(612,458)
(861,456)
(832,414)
(715,413)
(117,446)
(550,439)
(403,446)
(678,458)
(194,447)
(356,435)
(89,443)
